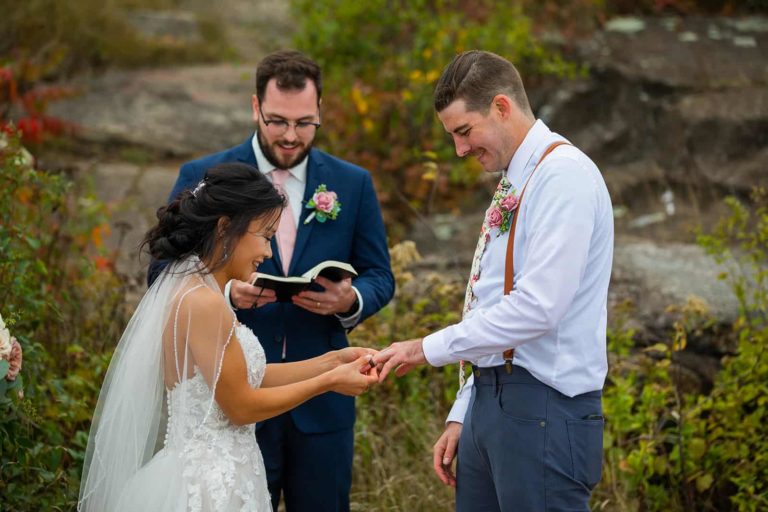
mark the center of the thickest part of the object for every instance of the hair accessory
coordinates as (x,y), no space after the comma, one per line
(198,188)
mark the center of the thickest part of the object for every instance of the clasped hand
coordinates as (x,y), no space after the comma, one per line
(354,372)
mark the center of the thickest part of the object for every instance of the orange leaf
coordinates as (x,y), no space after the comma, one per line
(98,233)
(103,263)
(23,195)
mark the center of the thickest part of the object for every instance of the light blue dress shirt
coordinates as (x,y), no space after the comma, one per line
(555,317)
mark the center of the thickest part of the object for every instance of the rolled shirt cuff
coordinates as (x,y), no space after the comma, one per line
(227,288)
(435,351)
(461,405)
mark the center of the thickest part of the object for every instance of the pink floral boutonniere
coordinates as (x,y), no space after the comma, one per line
(505,201)
(325,204)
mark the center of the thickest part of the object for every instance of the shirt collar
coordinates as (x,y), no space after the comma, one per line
(518,168)
(299,171)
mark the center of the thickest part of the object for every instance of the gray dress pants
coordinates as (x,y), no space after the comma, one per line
(527,447)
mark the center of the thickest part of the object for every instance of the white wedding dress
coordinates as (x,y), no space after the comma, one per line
(162,380)
(217,465)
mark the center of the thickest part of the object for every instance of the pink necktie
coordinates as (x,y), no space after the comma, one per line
(286,230)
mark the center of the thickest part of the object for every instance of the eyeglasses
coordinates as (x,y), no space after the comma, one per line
(277,127)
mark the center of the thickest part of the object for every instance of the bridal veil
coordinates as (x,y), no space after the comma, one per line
(164,344)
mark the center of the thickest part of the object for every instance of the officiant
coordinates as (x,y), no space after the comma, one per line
(332,213)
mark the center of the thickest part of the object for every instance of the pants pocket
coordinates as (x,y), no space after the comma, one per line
(585,438)
(523,402)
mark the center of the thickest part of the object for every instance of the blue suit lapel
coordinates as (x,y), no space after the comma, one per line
(245,154)
(316,174)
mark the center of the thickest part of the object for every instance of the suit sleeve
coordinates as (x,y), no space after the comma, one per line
(188,177)
(370,254)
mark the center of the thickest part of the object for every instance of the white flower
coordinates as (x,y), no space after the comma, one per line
(5,340)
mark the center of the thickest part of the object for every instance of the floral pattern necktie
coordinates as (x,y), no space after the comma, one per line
(497,216)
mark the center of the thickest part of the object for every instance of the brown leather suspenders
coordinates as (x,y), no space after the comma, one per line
(509,268)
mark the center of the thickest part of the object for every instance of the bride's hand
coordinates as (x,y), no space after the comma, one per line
(349,354)
(353,378)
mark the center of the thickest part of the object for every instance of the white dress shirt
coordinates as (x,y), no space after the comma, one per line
(294,188)
(555,317)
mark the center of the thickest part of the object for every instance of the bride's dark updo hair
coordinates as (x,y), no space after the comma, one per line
(189,224)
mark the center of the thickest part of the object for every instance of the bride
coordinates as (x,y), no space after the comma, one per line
(174,427)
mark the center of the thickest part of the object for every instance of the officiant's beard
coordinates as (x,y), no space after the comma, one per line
(270,154)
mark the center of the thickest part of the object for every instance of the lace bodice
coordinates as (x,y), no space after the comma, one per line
(190,401)
(222,461)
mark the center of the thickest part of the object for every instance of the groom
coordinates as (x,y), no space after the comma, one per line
(528,423)
(307,451)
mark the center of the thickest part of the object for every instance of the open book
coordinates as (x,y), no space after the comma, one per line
(287,287)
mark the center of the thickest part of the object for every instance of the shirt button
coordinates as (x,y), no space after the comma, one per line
(543,424)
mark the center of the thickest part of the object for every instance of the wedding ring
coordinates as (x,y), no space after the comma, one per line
(371,363)
(318,304)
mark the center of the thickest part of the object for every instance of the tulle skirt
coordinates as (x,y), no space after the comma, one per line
(169,483)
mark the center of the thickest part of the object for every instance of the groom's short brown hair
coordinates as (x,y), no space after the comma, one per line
(476,77)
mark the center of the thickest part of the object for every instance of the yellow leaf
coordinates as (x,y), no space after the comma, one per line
(704,482)
(658,347)
(696,448)
(360,103)
(429,176)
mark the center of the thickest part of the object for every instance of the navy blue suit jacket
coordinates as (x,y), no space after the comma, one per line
(357,236)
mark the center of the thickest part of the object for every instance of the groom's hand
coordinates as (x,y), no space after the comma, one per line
(402,356)
(444,452)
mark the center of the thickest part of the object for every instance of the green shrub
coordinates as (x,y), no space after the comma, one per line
(670,450)
(735,414)
(650,454)
(65,305)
